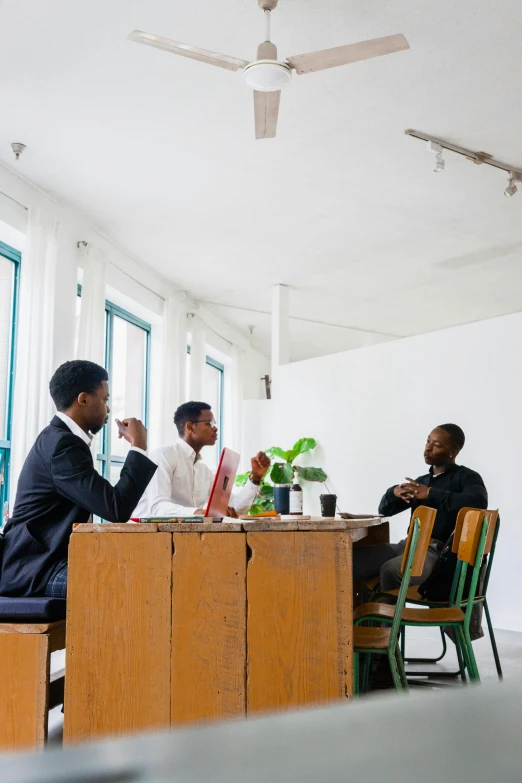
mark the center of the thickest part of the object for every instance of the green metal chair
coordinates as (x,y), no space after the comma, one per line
(471,548)
(413,597)
(385,641)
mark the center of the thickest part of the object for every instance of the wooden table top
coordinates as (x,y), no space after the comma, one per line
(238,526)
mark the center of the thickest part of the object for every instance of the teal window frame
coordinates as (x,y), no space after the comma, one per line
(221,367)
(5,445)
(105,457)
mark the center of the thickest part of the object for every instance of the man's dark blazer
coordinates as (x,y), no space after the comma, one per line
(58,486)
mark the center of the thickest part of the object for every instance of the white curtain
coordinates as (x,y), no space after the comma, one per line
(236,398)
(91,344)
(174,363)
(33,408)
(197,358)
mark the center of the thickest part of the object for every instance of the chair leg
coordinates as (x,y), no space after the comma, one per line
(469,655)
(472,658)
(366,672)
(400,665)
(493,640)
(462,665)
(395,670)
(356,674)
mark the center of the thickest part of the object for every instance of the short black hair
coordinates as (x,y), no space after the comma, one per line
(189,411)
(456,434)
(73,378)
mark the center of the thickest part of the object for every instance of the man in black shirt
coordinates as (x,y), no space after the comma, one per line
(447,487)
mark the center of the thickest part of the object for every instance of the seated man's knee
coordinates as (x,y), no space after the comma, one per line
(390,574)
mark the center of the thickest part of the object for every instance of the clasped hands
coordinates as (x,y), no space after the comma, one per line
(411,490)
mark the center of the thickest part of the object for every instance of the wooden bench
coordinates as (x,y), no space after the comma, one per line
(30,630)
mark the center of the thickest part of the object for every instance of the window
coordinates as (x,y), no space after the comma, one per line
(127,359)
(9,274)
(213,384)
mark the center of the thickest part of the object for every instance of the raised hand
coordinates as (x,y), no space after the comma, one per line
(260,464)
(133,431)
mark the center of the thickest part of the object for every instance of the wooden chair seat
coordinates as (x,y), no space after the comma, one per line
(450,614)
(371,638)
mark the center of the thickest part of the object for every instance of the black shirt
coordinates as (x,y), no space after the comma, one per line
(458,487)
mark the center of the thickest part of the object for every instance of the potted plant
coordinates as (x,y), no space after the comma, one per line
(282,472)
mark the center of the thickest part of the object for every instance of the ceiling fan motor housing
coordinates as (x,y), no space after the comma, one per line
(267,5)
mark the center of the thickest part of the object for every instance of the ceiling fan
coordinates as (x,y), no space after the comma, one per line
(267,75)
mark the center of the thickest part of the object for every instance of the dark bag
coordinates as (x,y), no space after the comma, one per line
(437,587)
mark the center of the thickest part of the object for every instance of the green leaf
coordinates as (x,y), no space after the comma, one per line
(275,451)
(241,479)
(303,445)
(282,473)
(312,474)
(266,492)
(291,455)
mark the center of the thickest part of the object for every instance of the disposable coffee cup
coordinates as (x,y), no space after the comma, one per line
(328,505)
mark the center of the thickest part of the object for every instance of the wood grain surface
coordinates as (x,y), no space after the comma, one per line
(118,634)
(299,639)
(208,627)
(24,684)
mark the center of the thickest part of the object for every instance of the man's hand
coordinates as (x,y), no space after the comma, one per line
(418,491)
(411,489)
(260,464)
(404,492)
(133,431)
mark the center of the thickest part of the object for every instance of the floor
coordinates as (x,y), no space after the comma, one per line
(420,642)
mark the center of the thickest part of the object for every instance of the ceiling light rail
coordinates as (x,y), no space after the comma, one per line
(437,147)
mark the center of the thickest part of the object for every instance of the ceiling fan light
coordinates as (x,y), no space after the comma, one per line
(267,75)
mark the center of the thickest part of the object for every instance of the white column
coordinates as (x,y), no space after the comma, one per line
(280,328)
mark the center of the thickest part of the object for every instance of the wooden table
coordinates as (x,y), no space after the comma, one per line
(173,624)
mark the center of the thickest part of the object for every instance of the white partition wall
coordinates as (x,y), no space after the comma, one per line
(371,410)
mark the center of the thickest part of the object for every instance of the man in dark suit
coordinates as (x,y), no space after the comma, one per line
(58,485)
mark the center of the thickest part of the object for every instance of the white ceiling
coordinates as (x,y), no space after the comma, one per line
(159,152)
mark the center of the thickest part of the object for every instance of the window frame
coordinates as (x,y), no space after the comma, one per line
(6,251)
(221,367)
(104,457)
(111,310)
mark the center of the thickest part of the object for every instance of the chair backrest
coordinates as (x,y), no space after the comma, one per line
(406,570)
(492,517)
(471,550)
(470,536)
(426,517)
(489,549)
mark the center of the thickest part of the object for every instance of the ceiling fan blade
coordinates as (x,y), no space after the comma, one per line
(351,53)
(266,111)
(186,50)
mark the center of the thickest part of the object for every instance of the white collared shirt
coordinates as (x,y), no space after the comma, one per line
(182,484)
(86,437)
(75,428)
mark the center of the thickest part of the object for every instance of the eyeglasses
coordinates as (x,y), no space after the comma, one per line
(210,422)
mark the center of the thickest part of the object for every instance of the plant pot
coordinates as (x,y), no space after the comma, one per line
(282,498)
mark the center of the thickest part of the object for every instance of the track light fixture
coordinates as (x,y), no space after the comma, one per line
(436,149)
(438,146)
(512,188)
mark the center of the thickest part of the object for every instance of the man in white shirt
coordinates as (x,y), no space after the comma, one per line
(182,483)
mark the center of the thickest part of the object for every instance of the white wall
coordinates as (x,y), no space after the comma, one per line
(371,410)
